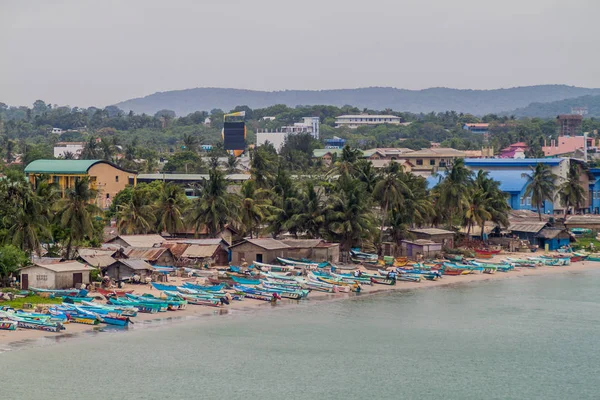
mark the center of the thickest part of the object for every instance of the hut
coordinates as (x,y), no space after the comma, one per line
(262,250)
(426,248)
(446,238)
(55,275)
(312,249)
(137,241)
(128,267)
(554,238)
(97,258)
(211,254)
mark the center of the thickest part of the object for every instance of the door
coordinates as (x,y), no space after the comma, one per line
(259,258)
(24,281)
(77,279)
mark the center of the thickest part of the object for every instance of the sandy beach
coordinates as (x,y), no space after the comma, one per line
(24,336)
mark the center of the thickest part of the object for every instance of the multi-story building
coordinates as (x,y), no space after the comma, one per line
(354,121)
(569,124)
(105,177)
(277,138)
(63,148)
(564,145)
(477,128)
(335,143)
(428,161)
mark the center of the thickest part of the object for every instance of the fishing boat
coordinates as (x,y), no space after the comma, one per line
(486,253)
(59,292)
(7,325)
(256,295)
(361,257)
(202,273)
(297,264)
(113,293)
(141,307)
(172,303)
(383,281)
(274,268)
(27,323)
(454,257)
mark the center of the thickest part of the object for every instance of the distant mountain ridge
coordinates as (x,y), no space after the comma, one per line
(552,109)
(476,102)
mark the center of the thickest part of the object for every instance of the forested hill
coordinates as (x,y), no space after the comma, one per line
(478,102)
(548,110)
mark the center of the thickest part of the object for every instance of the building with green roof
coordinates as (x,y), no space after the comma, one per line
(105,177)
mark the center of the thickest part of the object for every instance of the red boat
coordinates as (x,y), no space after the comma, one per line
(114,293)
(485,253)
(453,271)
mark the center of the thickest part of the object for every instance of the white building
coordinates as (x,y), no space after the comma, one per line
(75,148)
(277,138)
(57,130)
(354,121)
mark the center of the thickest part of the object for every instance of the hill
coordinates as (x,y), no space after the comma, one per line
(478,102)
(552,109)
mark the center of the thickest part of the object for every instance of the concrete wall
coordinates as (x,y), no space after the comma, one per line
(165,260)
(121,271)
(64,280)
(109,181)
(39,277)
(331,254)
(248,251)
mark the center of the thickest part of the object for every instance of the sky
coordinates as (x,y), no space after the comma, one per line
(84,53)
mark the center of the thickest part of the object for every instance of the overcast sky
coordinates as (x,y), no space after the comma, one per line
(79,52)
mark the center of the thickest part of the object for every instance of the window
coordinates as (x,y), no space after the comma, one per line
(529,201)
(108,195)
(419,162)
(522,201)
(431,162)
(41,277)
(117,178)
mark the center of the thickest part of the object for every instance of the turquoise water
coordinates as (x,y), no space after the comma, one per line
(525,338)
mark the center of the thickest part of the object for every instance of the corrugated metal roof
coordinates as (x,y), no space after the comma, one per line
(141,240)
(431,231)
(177,248)
(86,252)
(529,227)
(197,251)
(145,253)
(551,233)
(69,266)
(302,243)
(583,219)
(265,243)
(99,261)
(136,264)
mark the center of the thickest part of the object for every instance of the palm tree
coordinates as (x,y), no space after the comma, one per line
(232,165)
(389,192)
(190,142)
(90,151)
(255,207)
(309,218)
(571,193)
(349,217)
(170,208)
(75,213)
(367,174)
(494,201)
(25,218)
(215,207)
(452,192)
(347,162)
(137,215)
(541,186)
(68,155)
(285,203)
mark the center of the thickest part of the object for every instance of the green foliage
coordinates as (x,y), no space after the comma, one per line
(34,300)
(11,259)
(541,186)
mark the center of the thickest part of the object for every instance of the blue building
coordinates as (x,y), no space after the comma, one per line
(594,191)
(510,173)
(482,128)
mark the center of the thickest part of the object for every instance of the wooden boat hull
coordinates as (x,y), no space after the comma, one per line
(8,325)
(383,281)
(114,293)
(41,327)
(453,271)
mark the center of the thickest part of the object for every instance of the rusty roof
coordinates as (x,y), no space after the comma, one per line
(176,248)
(198,251)
(145,253)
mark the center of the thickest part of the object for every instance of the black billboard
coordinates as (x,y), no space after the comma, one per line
(234,136)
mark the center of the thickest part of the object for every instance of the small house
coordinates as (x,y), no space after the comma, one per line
(97,258)
(211,254)
(55,275)
(312,249)
(445,237)
(554,238)
(264,250)
(420,247)
(527,230)
(137,240)
(128,267)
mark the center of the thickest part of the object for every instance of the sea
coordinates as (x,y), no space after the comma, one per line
(522,338)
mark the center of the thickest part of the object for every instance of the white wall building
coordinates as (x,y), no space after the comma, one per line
(277,139)
(61,148)
(354,121)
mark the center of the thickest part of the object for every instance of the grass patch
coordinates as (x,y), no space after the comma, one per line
(34,300)
(584,243)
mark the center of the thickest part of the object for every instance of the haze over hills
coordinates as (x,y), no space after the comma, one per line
(551,109)
(476,102)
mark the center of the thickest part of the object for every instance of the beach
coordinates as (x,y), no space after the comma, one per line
(23,336)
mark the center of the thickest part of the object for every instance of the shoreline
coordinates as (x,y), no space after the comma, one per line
(23,338)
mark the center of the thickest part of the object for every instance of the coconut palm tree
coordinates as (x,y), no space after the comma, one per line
(90,150)
(75,213)
(541,186)
(255,207)
(232,165)
(494,203)
(137,216)
(285,201)
(452,192)
(571,193)
(170,208)
(190,142)
(389,192)
(350,219)
(309,218)
(215,206)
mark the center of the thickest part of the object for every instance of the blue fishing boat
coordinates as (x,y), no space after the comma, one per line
(245,281)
